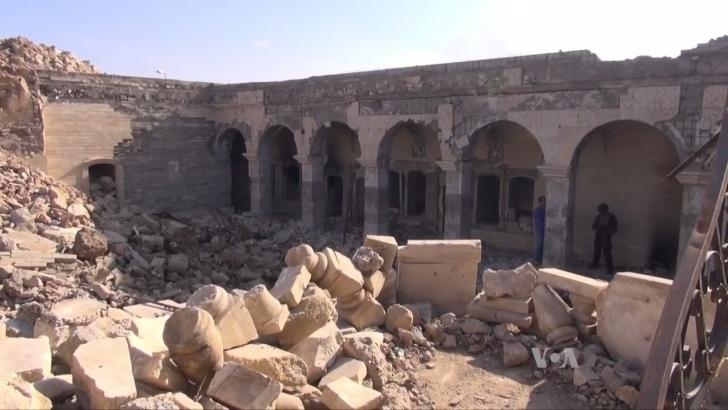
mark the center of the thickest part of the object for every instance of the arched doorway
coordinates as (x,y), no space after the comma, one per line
(239,171)
(622,164)
(409,152)
(280,171)
(505,158)
(102,179)
(336,148)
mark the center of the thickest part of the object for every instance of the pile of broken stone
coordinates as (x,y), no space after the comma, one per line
(20,53)
(260,348)
(551,314)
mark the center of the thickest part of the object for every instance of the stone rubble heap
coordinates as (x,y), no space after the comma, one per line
(19,53)
(283,347)
(550,314)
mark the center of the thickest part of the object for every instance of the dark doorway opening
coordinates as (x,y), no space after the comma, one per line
(102,179)
(394,190)
(416,193)
(240,177)
(487,204)
(334,195)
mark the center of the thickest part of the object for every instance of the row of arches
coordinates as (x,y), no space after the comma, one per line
(620,163)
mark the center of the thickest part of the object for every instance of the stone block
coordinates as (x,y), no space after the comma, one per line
(178,263)
(319,350)
(440,251)
(478,310)
(449,287)
(315,310)
(570,282)
(550,310)
(302,255)
(346,394)
(212,298)
(151,330)
(3,330)
(153,366)
(366,314)
(388,295)
(517,283)
(352,369)
(100,328)
(385,246)
(515,354)
(240,388)
(374,283)
(628,312)
(27,358)
(268,313)
(102,371)
(344,278)
(352,300)
(169,401)
(19,394)
(194,342)
(398,317)
(287,368)
(235,325)
(290,285)
(150,310)
(75,312)
(289,402)
(523,306)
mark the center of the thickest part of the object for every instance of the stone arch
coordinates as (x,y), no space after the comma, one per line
(336,150)
(409,152)
(504,157)
(280,171)
(622,163)
(92,172)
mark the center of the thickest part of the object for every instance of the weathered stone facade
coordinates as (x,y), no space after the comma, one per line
(466,147)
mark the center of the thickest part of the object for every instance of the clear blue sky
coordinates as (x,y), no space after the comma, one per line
(242,41)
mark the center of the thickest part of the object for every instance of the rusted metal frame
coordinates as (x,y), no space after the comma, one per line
(669,364)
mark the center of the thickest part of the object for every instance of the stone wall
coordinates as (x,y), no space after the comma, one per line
(166,134)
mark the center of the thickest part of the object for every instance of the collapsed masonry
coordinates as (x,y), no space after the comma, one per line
(307,335)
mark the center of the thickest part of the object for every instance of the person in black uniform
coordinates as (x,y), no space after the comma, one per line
(604,226)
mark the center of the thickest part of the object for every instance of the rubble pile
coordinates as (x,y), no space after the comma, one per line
(19,53)
(21,123)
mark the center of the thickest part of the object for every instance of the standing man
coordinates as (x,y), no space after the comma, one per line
(604,226)
(539,229)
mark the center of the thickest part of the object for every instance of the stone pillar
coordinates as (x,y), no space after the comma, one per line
(376,202)
(557,239)
(693,185)
(260,193)
(458,197)
(313,192)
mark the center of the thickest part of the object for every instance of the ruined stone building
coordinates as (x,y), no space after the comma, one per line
(465,148)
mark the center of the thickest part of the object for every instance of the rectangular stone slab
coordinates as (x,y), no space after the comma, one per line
(440,251)
(448,287)
(571,282)
(524,306)
(481,312)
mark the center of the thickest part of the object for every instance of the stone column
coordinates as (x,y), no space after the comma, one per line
(693,185)
(376,202)
(458,196)
(260,193)
(557,239)
(313,195)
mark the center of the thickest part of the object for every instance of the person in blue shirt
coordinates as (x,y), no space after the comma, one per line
(539,229)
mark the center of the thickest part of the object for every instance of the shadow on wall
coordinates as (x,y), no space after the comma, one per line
(621,164)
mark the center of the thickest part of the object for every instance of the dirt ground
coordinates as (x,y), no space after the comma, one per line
(463,381)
